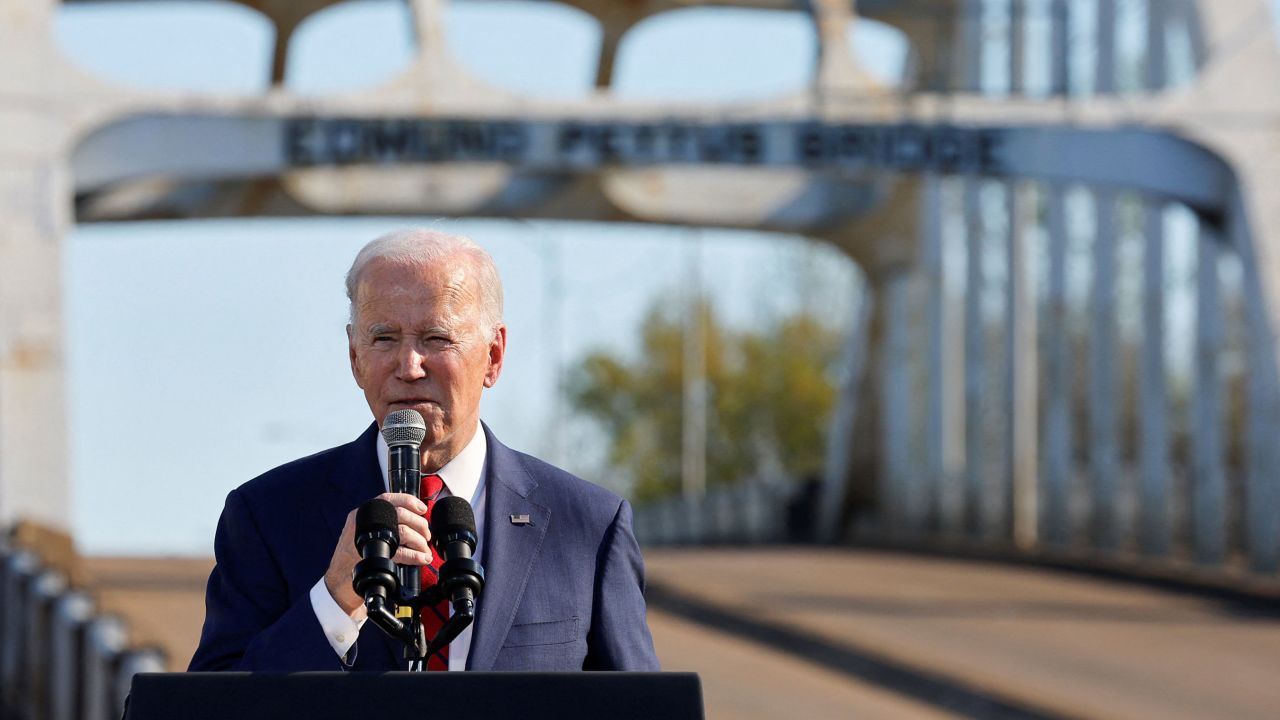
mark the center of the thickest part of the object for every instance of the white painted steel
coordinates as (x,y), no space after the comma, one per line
(1262,462)
(694,380)
(951,492)
(903,504)
(969,45)
(931,264)
(1058,469)
(975,386)
(1189,17)
(839,455)
(1017,47)
(1021,364)
(1059,48)
(1104,400)
(1153,388)
(1105,67)
(1208,481)
(1155,65)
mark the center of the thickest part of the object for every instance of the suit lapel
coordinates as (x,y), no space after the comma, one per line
(356,477)
(510,550)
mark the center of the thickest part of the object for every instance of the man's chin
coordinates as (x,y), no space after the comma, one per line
(426,408)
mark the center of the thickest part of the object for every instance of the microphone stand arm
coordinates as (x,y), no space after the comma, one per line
(409,633)
(452,627)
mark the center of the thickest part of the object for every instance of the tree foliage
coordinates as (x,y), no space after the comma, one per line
(769,395)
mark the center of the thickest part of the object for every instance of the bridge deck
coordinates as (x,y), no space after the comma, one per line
(985,639)
(792,632)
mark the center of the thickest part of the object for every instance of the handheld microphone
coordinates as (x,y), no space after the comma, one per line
(404,431)
(377,537)
(453,531)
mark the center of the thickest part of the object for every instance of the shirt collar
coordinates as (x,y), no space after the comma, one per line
(461,475)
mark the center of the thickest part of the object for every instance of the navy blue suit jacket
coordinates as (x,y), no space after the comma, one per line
(564,592)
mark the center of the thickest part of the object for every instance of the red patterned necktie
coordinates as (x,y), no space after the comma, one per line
(434,616)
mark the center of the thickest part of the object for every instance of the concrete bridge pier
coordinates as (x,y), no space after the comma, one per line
(35,204)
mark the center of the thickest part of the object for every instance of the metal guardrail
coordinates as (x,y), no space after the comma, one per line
(59,660)
(743,513)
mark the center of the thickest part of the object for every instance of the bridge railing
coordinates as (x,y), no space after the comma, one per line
(59,659)
(752,511)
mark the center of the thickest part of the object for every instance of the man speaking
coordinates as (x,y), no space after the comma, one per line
(563,573)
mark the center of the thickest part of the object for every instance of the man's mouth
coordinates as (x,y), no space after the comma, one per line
(410,402)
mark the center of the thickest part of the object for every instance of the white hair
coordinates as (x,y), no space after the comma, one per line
(422,246)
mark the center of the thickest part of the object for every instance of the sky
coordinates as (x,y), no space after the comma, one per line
(203,353)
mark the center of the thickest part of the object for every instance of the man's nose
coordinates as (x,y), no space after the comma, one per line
(410,364)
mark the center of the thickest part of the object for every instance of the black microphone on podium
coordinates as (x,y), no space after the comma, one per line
(453,532)
(377,537)
(404,431)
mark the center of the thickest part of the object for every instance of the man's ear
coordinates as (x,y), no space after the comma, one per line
(351,354)
(497,352)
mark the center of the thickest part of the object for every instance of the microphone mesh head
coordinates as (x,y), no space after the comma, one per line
(377,515)
(404,427)
(450,515)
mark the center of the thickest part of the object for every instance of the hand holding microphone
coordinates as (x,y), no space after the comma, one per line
(403,431)
(386,575)
(413,548)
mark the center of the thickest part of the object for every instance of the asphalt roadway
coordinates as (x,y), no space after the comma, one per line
(839,633)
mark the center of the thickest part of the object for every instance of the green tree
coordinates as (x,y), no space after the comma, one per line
(770,394)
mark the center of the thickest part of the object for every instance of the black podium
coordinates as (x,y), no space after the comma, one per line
(420,696)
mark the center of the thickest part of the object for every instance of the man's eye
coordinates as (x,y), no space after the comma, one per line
(381,338)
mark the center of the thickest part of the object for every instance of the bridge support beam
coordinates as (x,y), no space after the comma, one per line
(845,490)
(903,504)
(1059,48)
(1022,359)
(1017,47)
(1156,65)
(1105,70)
(975,369)
(1208,494)
(1153,389)
(1104,400)
(943,417)
(1262,463)
(969,46)
(1058,468)
(35,205)
(33,426)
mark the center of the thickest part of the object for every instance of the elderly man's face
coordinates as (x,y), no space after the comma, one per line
(418,342)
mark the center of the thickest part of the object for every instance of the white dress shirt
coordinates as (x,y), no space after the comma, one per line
(462,477)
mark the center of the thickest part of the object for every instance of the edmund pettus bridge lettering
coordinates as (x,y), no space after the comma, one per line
(560,144)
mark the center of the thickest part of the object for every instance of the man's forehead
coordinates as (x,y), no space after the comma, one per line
(386,277)
(391,295)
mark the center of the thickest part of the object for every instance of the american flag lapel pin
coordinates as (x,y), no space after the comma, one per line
(520,520)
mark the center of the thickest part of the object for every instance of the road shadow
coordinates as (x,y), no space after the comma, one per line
(1216,613)
(942,692)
